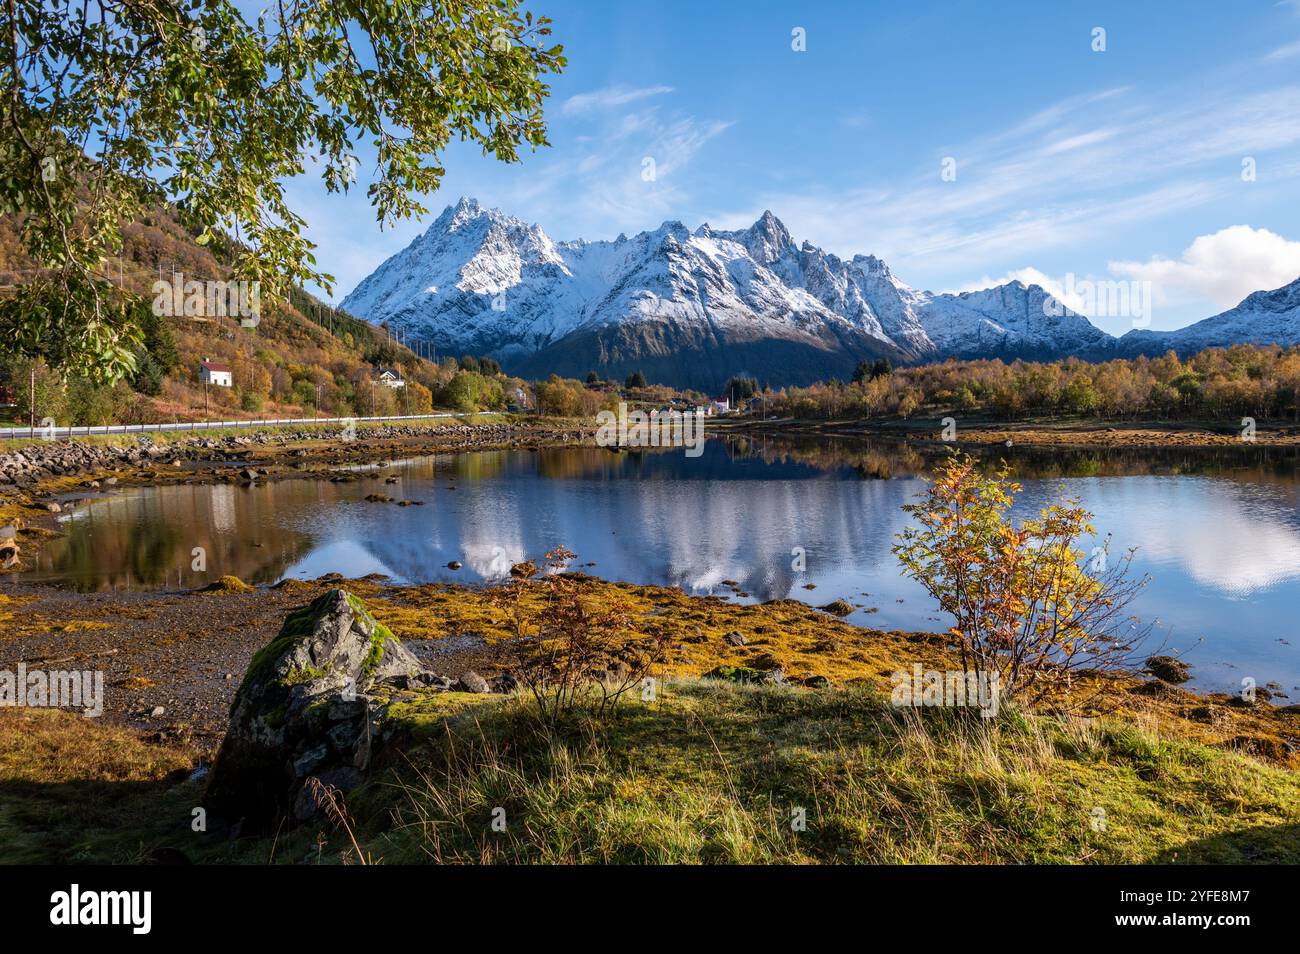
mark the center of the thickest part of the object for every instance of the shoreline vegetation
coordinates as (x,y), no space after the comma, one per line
(708,772)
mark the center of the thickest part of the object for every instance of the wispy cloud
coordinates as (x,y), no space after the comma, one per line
(1070,173)
(631,174)
(609,97)
(1284,52)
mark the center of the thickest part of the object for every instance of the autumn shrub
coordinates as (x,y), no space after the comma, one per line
(1030,607)
(573,651)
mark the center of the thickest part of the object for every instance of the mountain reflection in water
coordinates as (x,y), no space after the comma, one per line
(1218,531)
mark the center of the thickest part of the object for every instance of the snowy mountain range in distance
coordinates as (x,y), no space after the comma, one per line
(692,308)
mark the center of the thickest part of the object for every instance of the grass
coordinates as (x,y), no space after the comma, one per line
(714,772)
(73,790)
(708,772)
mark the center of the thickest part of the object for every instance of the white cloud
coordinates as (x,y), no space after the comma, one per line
(1224,266)
(609,97)
(1028,276)
(1284,52)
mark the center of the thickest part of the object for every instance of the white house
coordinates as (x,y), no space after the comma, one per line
(216,374)
(721,405)
(390,377)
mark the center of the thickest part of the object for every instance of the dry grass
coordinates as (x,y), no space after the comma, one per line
(717,773)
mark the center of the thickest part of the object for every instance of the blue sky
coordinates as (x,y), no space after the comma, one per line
(1120,164)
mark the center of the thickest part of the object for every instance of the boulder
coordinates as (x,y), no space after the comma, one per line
(1168,669)
(9,549)
(304,709)
(473,682)
(838,608)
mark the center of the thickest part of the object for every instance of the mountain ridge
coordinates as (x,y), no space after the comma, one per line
(692,308)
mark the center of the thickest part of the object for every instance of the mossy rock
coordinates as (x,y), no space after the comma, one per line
(228,584)
(745,674)
(290,585)
(303,710)
(1169,669)
(838,608)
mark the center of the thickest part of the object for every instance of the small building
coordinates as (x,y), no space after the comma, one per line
(217,374)
(390,377)
(721,405)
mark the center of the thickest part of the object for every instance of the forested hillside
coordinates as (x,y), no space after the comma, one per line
(301,358)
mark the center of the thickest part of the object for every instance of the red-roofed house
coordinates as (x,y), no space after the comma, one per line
(214,373)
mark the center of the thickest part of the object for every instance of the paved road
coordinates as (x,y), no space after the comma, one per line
(51,432)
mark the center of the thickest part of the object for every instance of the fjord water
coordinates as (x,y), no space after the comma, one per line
(1218,532)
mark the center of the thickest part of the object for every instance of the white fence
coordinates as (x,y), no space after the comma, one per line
(54,433)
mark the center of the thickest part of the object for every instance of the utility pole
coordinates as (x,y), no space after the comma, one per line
(31,407)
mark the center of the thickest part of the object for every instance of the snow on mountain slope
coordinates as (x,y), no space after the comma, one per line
(695,306)
(1263,317)
(1011,320)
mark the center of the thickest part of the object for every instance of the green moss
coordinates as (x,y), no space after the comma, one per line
(378,636)
(299,675)
(297,624)
(274,719)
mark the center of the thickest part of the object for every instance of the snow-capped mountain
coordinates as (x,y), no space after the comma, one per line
(692,308)
(1263,317)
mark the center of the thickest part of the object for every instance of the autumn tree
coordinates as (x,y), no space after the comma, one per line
(113,107)
(1030,607)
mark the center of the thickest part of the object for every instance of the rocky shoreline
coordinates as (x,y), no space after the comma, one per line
(172,661)
(1090,434)
(36,480)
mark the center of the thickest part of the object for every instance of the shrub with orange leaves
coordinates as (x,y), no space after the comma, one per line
(1031,608)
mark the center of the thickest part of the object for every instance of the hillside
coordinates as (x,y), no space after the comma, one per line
(301,358)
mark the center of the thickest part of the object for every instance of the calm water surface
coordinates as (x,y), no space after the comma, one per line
(1218,533)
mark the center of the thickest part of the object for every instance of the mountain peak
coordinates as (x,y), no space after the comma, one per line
(695,307)
(767,239)
(769,225)
(466,209)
